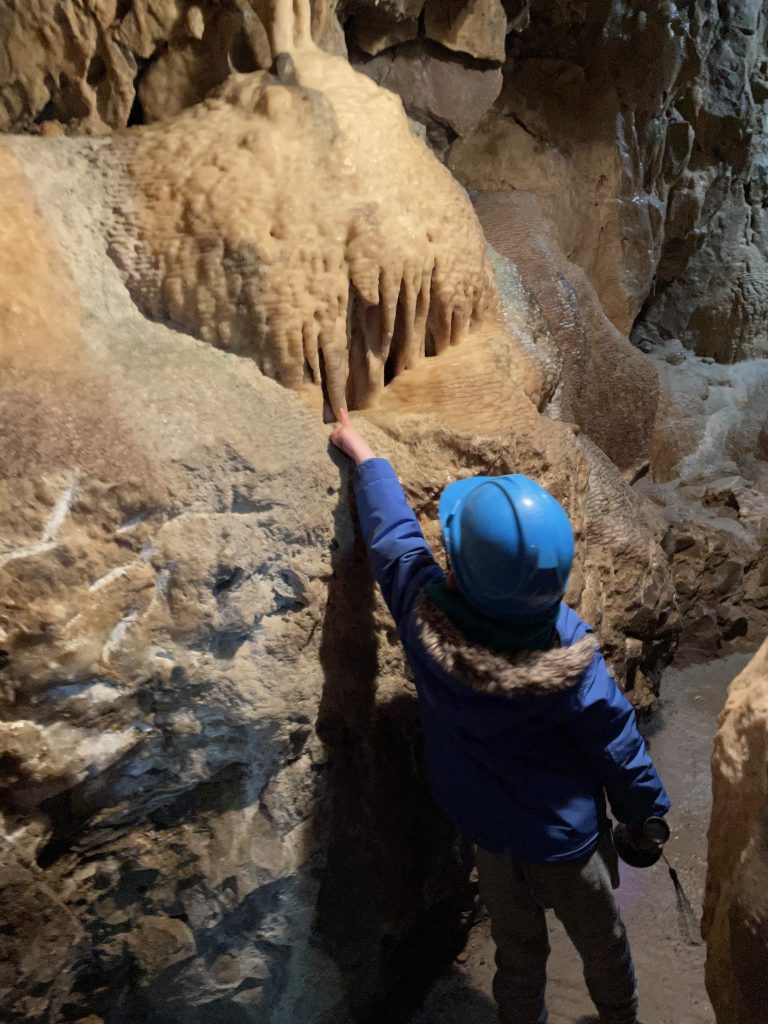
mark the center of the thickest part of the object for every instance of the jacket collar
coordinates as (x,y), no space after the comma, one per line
(508,675)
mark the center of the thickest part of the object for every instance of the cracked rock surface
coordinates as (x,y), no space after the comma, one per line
(213,788)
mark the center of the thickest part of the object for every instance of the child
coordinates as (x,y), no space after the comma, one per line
(525,732)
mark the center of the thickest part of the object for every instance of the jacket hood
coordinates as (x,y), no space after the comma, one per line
(506,675)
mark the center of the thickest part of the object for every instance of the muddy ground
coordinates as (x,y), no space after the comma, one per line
(669,955)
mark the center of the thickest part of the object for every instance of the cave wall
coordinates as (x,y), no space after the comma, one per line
(213,787)
(641,128)
(207,726)
(92,68)
(735,923)
(212,762)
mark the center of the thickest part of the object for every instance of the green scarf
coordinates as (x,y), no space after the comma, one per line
(499,637)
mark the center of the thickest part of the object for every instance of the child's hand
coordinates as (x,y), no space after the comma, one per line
(350,441)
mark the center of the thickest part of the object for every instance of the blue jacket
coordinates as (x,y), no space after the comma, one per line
(520,752)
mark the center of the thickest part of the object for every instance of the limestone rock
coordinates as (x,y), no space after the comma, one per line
(212,741)
(96,66)
(476,27)
(61,60)
(551,133)
(709,478)
(442,90)
(144,568)
(190,627)
(376,32)
(735,923)
(606,387)
(197,61)
(329,245)
(655,181)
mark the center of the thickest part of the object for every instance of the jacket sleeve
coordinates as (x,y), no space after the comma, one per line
(401,558)
(605,729)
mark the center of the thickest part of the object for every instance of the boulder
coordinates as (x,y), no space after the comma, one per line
(375,33)
(443,90)
(476,27)
(735,923)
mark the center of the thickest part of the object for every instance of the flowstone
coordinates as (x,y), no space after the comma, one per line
(293,218)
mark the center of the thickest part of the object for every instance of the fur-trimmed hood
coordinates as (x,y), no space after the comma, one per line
(508,675)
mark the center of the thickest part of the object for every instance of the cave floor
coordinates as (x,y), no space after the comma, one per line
(670,968)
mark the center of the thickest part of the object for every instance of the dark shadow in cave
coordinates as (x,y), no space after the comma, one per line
(395,903)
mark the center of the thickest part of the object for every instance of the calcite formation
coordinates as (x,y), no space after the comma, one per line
(604,384)
(735,923)
(655,181)
(213,790)
(159,786)
(212,746)
(295,219)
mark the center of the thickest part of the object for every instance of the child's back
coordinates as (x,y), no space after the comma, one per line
(525,732)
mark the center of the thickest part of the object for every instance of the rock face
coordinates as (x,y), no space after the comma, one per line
(212,804)
(150,753)
(439,89)
(296,220)
(655,181)
(213,790)
(735,922)
(93,66)
(605,386)
(709,483)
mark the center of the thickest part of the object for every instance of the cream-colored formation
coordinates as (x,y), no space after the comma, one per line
(293,218)
(735,923)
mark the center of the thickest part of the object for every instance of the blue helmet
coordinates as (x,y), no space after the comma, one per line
(510,544)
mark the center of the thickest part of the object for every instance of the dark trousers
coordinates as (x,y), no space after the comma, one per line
(580,892)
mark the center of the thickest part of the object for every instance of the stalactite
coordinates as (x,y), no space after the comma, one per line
(293,216)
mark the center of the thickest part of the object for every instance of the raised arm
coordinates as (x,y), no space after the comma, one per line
(401,558)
